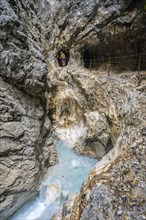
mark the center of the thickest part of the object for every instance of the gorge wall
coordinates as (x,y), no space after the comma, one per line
(25,145)
(94,112)
(115,187)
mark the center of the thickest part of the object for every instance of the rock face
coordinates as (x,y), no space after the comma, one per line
(26,149)
(81,108)
(115,187)
(95,113)
(104,28)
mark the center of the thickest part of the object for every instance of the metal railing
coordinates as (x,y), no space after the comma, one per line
(133,62)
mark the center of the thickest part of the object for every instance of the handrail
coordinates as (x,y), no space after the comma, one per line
(138,60)
(116,57)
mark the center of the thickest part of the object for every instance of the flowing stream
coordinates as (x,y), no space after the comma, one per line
(62,181)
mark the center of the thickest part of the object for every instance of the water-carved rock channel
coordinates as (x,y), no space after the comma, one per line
(62,181)
(76,71)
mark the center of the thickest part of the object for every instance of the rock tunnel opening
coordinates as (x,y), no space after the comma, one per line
(90,58)
(63,57)
(95,58)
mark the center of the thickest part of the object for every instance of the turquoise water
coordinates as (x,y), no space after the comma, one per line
(68,175)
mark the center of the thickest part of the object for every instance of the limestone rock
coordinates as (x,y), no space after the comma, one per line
(49,153)
(21,132)
(23,114)
(106,28)
(81,105)
(94,113)
(113,189)
(53,193)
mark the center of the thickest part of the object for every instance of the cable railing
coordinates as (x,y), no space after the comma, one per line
(133,62)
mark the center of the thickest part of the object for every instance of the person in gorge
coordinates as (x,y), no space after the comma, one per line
(62,58)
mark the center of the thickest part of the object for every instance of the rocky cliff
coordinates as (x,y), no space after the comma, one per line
(93,112)
(115,187)
(25,145)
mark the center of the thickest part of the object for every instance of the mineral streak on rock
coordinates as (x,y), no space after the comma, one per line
(94,112)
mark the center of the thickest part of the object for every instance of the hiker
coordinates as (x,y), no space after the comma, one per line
(62,58)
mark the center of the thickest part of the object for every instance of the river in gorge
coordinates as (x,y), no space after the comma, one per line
(62,181)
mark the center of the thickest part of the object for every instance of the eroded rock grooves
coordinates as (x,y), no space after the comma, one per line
(93,111)
(114,188)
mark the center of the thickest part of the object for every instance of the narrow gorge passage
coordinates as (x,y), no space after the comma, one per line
(74,71)
(62,181)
